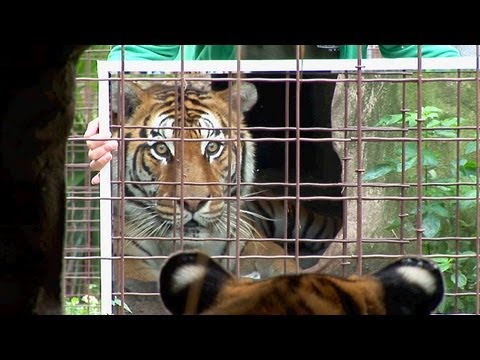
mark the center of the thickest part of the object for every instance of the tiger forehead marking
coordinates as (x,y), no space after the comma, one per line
(206,126)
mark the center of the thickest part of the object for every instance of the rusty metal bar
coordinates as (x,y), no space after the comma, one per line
(403,180)
(182,147)
(457,193)
(419,221)
(298,76)
(237,162)
(360,169)
(121,187)
(477,78)
(345,176)
(286,160)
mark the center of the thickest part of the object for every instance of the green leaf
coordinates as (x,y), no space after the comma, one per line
(74,301)
(470,147)
(468,204)
(431,109)
(389,120)
(378,170)
(462,279)
(117,302)
(468,168)
(393,224)
(444,263)
(431,225)
(446,133)
(472,259)
(432,174)
(411,150)
(440,210)
(411,119)
(467,252)
(431,116)
(450,122)
(410,163)
(429,158)
(433,123)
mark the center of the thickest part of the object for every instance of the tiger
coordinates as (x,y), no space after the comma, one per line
(192,283)
(155,163)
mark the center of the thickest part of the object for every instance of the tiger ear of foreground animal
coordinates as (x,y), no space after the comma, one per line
(193,283)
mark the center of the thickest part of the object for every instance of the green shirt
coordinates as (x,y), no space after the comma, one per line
(401,51)
(172,52)
(227,52)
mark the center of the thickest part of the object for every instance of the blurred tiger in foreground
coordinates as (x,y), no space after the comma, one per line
(193,283)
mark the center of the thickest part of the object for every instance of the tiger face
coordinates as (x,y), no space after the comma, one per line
(177,155)
(193,283)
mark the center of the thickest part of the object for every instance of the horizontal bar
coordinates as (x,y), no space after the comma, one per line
(332,65)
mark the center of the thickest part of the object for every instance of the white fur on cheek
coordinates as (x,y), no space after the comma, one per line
(187,275)
(419,277)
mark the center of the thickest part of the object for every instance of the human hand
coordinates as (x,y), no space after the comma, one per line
(99,151)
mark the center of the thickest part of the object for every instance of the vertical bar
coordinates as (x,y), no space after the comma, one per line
(121,184)
(88,203)
(105,203)
(477,81)
(238,160)
(182,142)
(229,245)
(457,193)
(298,75)
(419,228)
(403,189)
(360,169)
(346,158)
(286,189)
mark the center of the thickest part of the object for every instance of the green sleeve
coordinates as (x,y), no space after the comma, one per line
(401,51)
(145,52)
(429,51)
(172,52)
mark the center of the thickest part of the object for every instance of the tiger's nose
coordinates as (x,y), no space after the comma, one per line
(193,205)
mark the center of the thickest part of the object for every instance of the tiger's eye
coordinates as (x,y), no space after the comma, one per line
(213,147)
(161,149)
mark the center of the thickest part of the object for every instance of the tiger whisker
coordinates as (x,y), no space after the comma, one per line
(250,214)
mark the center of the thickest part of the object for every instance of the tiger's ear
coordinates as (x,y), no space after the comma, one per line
(190,282)
(248,95)
(133,93)
(413,286)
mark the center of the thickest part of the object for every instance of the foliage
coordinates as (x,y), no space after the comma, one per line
(84,305)
(118,302)
(440,218)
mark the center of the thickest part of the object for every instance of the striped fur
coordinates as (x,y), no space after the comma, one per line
(192,283)
(278,221)
(207,154)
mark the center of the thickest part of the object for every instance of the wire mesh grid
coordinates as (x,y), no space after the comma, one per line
(82,239)
(386,159)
